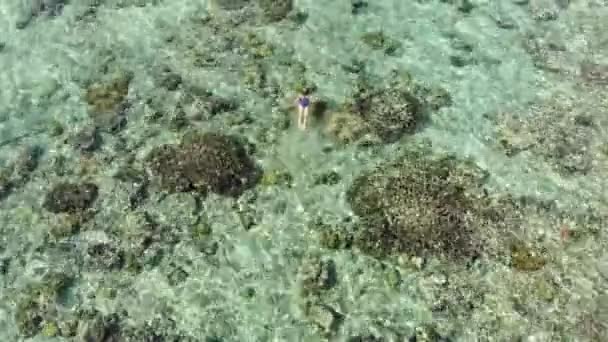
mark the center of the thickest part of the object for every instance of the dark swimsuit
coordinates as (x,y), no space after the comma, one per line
(304,101)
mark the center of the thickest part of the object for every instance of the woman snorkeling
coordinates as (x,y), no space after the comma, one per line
(303,103)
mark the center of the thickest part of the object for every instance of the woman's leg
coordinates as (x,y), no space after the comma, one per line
(305,117)
(300,115)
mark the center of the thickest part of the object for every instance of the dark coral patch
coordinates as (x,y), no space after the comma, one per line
(204,162)
(275,10)
(390,112)
(70,197)
(163,162)
(418,206)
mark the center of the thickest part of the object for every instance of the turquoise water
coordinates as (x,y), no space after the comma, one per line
(155,186)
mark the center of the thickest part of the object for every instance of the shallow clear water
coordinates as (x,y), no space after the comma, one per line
(100,241)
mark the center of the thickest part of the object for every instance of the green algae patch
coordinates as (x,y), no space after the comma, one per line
(108,95)
(276,177)
(525,258)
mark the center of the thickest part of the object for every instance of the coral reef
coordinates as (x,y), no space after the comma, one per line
(593,321)
(107,100)
(378,40)
(327,178)
(70,197)
(256,47)
(383,114)
(181,234)
(525,258)
(87,139)
(345,127)
(316,276)
(194,103)
(365,338)
(276,177)
(324,316)
(168,78)
(19,171)
(148,243)
(275,10)
(101,328)
(418,205)
(204,162)
(565,130)
(104,256)
(114,327)
(36,306)
(335,238)
(390,112)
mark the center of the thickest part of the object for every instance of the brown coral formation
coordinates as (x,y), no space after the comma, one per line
(384,114)
(420,206)
(70,197)
(204,162)
(390,112)
(107,101)
(275,10)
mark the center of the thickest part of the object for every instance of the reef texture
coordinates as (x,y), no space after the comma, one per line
(204,162)
(385,113)
(566,130)
(70,197)
(420,206)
